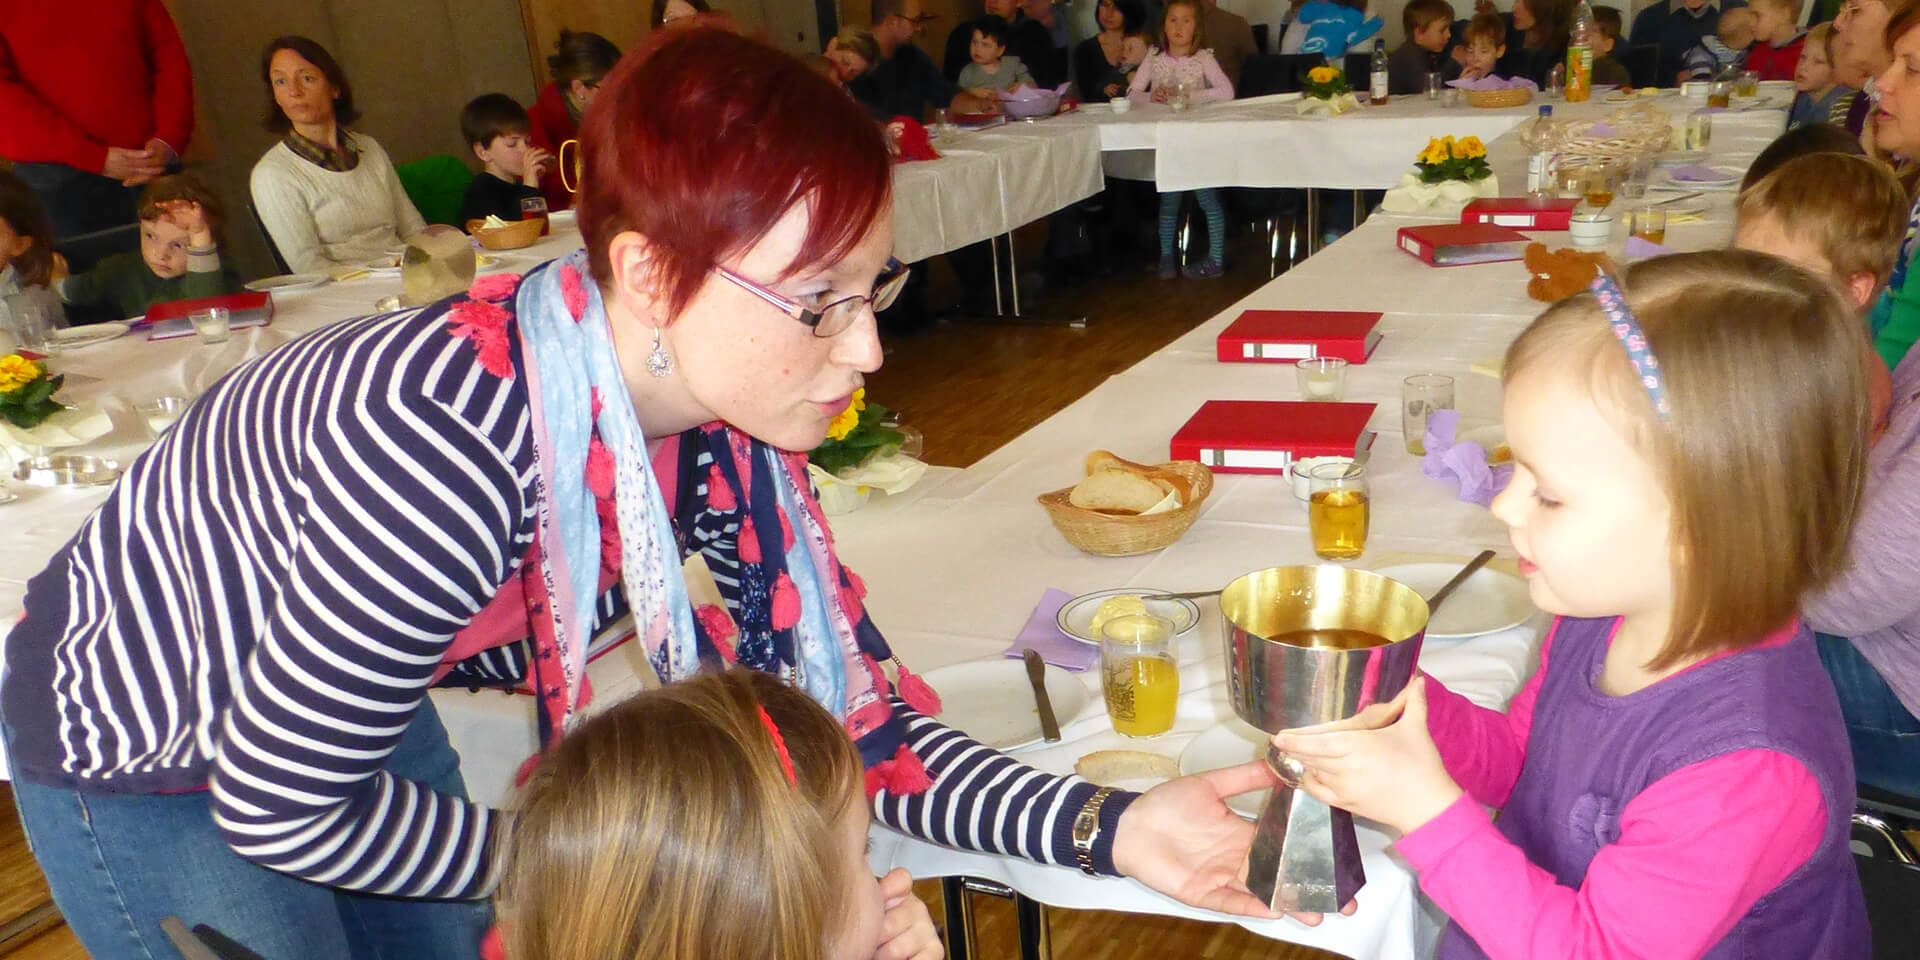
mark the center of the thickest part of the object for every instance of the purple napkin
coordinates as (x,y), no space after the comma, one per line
(1600,129)
(1465,462)
(1042,635)
(1494,83)
(1696,173)
(1639,248)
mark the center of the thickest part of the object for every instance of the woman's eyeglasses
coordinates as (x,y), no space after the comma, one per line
(834,318)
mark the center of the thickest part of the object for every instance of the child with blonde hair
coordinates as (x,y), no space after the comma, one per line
(1817,86)
(1689,446)
(26,237)
(1779,41)
(722,816)
(1482,45)
(1182,58)
(181,226)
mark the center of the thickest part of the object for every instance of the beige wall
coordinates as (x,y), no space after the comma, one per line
(413,64)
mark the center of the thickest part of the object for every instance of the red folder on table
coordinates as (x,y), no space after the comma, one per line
(1283,336)
(164,321)
(1265,436)
(1455,244)
(1522,213)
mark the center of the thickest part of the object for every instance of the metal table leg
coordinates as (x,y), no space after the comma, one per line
(1359,209)
(1013,273)
(1313,221)
(1036,941)
(993,248)
(959,910)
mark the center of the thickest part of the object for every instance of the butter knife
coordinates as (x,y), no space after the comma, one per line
(1037,675)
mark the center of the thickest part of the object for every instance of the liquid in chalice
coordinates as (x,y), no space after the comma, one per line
(1142,692)
(1337,638)
(1338,521)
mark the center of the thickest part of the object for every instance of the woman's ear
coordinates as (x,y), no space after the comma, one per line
(630,258)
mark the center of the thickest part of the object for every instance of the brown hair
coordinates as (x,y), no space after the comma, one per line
(1764,454)
(1853,208)
(183,186)
(1609,21)
(666,828)
(1552,23)
(859,40)
(24,215)
(1798,142)
(581,56)
(1199,26)
(1419,14)
(1488,27)
(1790,7)
(344,112)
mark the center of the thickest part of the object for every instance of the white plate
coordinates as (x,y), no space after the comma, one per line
(1728,177)
(1076,615)
(1679,158)
(1488,602)
(488,263)
(1685,208)
(1230,744)
(561,216)
(1490,437)
(287,282)
(991,701)
(384,266)
(70,338)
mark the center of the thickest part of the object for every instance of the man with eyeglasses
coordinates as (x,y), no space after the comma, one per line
(905,83)
(1676,26)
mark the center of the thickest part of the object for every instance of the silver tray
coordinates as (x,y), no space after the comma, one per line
(68,470)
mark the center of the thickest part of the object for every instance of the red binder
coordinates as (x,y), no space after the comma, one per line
(164,321)
(1522,213)
(1265,436)
(1455,244)
(1283,336)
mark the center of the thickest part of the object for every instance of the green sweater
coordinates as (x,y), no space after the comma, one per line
(125,282)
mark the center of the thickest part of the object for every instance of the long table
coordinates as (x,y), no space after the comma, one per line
(990,182)
(955,565)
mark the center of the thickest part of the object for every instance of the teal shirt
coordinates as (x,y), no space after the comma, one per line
(1895,321)
(125,282)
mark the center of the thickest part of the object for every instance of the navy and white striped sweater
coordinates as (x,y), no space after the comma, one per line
(260,604)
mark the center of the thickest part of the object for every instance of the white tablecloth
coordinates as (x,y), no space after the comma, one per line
(988,182)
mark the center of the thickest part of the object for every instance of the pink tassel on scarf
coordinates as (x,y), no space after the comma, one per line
(719,494)
(749,542)
(915,691)
(786,603)
(900,776)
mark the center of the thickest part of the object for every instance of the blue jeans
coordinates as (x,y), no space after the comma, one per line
(1885,737)
(119,863)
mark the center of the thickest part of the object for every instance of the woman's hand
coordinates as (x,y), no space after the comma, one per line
(1181,839)
(1161,95)
(906,930)
(1381,765)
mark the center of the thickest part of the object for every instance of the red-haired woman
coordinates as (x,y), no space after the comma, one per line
(216,704)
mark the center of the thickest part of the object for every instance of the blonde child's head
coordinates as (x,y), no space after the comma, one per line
(1133,49)
(1181,32)
(673,827)
(26,236)
(1774,21)
(1485,42)
(1838,215)
(1736,28)
(163,239)
(1814,73)
(853,51)
(1707,524)
(1428,23)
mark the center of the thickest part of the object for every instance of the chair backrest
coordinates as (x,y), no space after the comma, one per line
(273,249)
(1260,37)
(1267,73)
(437,185)
(1643,66)
(1890,885)
(1359,67)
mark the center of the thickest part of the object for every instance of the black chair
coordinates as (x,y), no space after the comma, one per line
(1889,869)
(1260,37)
(1269,73)
(278,261)
(1643,66)
(1359,67)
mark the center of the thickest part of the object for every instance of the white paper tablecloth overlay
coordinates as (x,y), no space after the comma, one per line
(955,565)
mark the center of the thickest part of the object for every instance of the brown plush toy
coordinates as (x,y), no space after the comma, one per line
(1557,274)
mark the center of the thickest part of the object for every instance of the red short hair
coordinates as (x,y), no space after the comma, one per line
(702,139)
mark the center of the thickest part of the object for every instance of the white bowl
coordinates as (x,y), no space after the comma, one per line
(1591,231)
(1121,104)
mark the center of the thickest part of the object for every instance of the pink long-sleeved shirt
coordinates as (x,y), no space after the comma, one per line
(1696,849)
(1200,71)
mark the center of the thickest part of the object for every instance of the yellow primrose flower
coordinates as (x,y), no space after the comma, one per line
(1471,148)
(17,371)
(1322,74)
(849,418)
(1436,152)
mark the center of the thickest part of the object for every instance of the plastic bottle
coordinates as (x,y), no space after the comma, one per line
(1541,137)
(1580,54)
(1378,93)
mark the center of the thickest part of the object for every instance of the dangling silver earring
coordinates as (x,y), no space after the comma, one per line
(659,362)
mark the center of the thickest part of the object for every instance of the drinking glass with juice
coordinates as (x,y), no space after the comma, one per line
(1337,510)
(1139,674)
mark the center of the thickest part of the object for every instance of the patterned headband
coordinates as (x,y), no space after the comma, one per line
(1634,339)
(779,746)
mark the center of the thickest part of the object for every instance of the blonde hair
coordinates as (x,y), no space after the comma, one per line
(1763,456)
(666,829)
(1821,35)
(1853,208)
(1789,7)
(859,40)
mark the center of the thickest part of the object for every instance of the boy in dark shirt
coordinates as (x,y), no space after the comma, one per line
(497,129)
(1429,26)
(1606,69)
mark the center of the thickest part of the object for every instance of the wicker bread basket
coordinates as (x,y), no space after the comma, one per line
(1110,535)
(1496,99)
(1636,131)
(513,236)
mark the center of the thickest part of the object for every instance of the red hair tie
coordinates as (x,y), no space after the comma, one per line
(779,746)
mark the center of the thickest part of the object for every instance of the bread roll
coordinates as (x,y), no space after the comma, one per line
(1116,491)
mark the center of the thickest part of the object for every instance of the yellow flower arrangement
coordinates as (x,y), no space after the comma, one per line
(17,371)
(1436,152)
(26,392)
(1448,159)
(855,435)
(1325,83)
(1322,74)
(849,418)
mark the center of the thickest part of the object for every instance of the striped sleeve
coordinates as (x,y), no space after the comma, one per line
(986,801)
(413,519)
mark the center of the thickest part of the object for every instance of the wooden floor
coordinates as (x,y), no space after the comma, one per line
(969,386)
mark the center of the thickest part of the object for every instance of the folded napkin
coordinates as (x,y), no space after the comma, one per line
(1413,196)
(1042,635)
(1331,107)
(1465,462)
(1641,249)
(1494,83)
(82,423)
(1696,173)
(1033,93)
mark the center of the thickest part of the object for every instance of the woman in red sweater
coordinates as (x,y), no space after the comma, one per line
(579,61)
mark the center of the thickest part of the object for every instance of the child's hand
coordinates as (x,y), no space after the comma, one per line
(538,160)
(1161,95)
(60,270)
(1392,773)
(191,217)
(906,931)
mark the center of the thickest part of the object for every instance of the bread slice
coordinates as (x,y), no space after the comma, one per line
(1166,481)
(1116,491)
